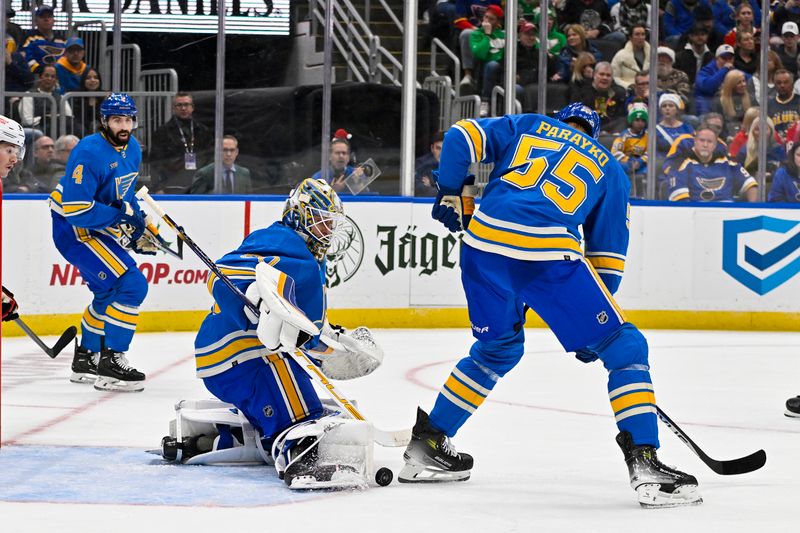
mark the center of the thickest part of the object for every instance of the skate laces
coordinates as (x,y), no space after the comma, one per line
(447,447)
(122,361)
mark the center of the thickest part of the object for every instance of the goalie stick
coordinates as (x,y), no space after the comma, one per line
(397,438)
(742,465)
(62,341)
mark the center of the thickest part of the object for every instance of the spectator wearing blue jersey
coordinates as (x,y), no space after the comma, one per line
(668,130)
(786,183)
(679,17)
(710,77)
(43,46)
(704,176)
(71,66)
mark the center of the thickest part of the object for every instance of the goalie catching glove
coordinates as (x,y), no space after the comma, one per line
(346,355)
(281,325)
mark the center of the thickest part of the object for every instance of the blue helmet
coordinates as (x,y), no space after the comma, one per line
(583,114)
(119,104)
(315,211)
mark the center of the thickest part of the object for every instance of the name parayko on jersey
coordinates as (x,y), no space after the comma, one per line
(581,141)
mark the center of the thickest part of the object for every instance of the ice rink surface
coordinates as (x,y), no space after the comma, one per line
(74,459)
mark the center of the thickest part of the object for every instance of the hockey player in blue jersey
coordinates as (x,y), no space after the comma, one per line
(523,249)
(246,360)
(96,223)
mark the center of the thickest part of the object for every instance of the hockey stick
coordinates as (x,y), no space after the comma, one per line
(384,438)
(742,465)
(62,341)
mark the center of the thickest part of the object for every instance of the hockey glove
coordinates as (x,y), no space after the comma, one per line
(9,306)
(454,208)
(130,223)
(345,354)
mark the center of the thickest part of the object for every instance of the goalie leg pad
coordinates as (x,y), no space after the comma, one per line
(328,453)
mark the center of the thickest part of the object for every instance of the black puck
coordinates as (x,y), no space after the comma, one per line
(383,476)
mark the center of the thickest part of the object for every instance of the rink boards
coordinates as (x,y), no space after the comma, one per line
(688,266)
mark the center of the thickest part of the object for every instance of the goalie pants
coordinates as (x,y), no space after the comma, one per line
(119,288)
(570,297)
(273,393)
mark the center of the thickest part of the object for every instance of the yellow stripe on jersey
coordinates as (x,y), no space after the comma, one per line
(76,208)
(90,319)
(107,256)
(475,137)
(610,263)
(518,240)
(463,392)
(229,350)
(127,316)
(231,273)
(635,398)
(603,287)
(292,394)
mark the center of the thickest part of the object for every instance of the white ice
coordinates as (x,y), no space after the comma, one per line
(73,459)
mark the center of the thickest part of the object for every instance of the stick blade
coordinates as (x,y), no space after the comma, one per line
(62,342)
(743,465)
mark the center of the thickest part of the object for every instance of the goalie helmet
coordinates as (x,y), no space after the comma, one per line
(11,132)
(315,211)
(118,104)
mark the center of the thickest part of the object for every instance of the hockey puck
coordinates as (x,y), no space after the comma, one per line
(383,476)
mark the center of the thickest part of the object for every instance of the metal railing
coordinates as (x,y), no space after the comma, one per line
(437,45)
(131,67)
(159,80)
(499,93)
(48,119)
(465,107)
(95,39)
(442,87)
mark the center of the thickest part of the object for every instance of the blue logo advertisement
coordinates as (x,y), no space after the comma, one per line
(733,229)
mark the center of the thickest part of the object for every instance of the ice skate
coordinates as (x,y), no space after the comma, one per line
(656,484)
(84,367)
(115,374)
(430,457)
(793,407)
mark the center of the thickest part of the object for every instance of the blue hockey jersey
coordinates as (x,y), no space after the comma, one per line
(548,180)
(98,178)
(717,181)
(226,337)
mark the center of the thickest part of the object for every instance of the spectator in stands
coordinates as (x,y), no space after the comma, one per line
(639,91)
(745,57)
(744,23)
(754,84)
(679,17)
(179,148)
(468,17)
(528,60)
(58,164)
(70,66)
(740,139)
(340,168)
(606,98)
(783,108)
(555,39)
(629,13)
(788,51)
(13,30)
(733,101)
(634,57)
(488,45)
(88,108)
(710,77)
(39,112)
(783,12)
(705,177)
(582,74)
(576,43)
(670,127)
(786,183)
(43,46)
(235,178)
(35,176)
(630,148)
(695,53)
(671,79)
(593,15)
(716,31)
(748,154)
(424,167)
(19,78)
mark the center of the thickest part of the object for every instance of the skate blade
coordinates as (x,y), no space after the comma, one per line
(78,377)
(116,385)
(791,414)
(651,497)
(422,474)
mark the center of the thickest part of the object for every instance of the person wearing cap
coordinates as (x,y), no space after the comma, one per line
(668,130)
(745,21)
(695,53)
(70,66)
(788,51)
(710,77)
(783,12)
(528,56)
(670,79)
(555,39)
(634,57)
(43,46)
(467,19)
(630,148)
(593,15)
(488,45)
(703,16)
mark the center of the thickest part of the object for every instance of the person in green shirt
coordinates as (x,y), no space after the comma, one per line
(488,44)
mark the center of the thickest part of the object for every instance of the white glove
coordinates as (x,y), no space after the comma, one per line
(350,355)
(280,321)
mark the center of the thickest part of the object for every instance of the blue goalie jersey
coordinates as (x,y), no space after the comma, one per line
(548,181)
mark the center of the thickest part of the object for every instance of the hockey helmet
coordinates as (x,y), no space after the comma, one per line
(118,104)
(582,114)
(12,133)
(315,211)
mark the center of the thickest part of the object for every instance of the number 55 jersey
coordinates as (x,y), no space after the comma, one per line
(548,181)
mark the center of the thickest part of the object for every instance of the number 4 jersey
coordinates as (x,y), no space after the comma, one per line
(548,180)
